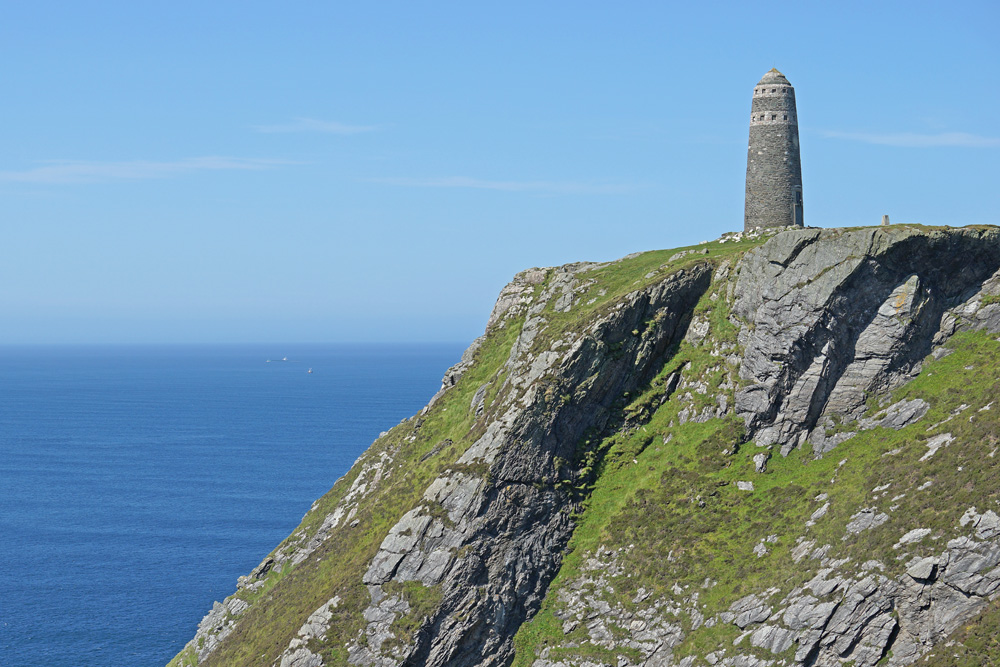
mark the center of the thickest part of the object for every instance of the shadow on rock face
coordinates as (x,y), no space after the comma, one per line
(831,317)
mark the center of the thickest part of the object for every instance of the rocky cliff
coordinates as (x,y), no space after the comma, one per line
(767,450)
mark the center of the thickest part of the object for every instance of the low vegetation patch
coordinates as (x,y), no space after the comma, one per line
(668,503)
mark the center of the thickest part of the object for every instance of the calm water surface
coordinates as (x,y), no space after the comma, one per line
(137,483)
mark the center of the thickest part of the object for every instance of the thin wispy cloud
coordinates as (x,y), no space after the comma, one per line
(552,187)
(81,171)
(915,140)
(313,125)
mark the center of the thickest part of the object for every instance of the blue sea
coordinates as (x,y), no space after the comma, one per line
(137,483)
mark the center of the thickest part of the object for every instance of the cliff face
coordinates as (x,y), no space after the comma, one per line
(771,450)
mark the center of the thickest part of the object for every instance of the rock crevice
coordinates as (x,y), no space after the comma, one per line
(512,529)
(850,314)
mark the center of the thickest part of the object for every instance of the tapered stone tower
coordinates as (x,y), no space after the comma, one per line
(774,172)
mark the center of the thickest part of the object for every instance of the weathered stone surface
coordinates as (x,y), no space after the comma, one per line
(818,514)
(807,612)
(512,528)
(750,609)
(301,657)
(850,618)
(914,535)
(866,519)
(972,315)
(898,415)
(774,639)
(826,318)
(774,174)
(831,315)
(923,568)
(936,443)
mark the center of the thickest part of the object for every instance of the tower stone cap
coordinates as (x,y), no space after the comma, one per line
(773,76)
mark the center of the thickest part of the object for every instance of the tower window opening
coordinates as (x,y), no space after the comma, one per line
(774,116)
(772,90)
(786,116)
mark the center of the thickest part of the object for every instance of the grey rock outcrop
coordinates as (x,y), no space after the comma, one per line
(511,529)
(843,615)
(897,415)
(822,326)
(831,316)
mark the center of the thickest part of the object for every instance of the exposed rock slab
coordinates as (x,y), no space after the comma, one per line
(830,316)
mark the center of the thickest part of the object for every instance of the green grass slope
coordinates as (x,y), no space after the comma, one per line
(660,512)
(667,502)
(408,458)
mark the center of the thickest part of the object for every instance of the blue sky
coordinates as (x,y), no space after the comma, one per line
(333,171)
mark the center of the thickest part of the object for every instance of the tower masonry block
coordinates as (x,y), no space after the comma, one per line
(774,170)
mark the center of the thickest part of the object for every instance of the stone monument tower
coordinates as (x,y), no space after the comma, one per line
(774,173)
